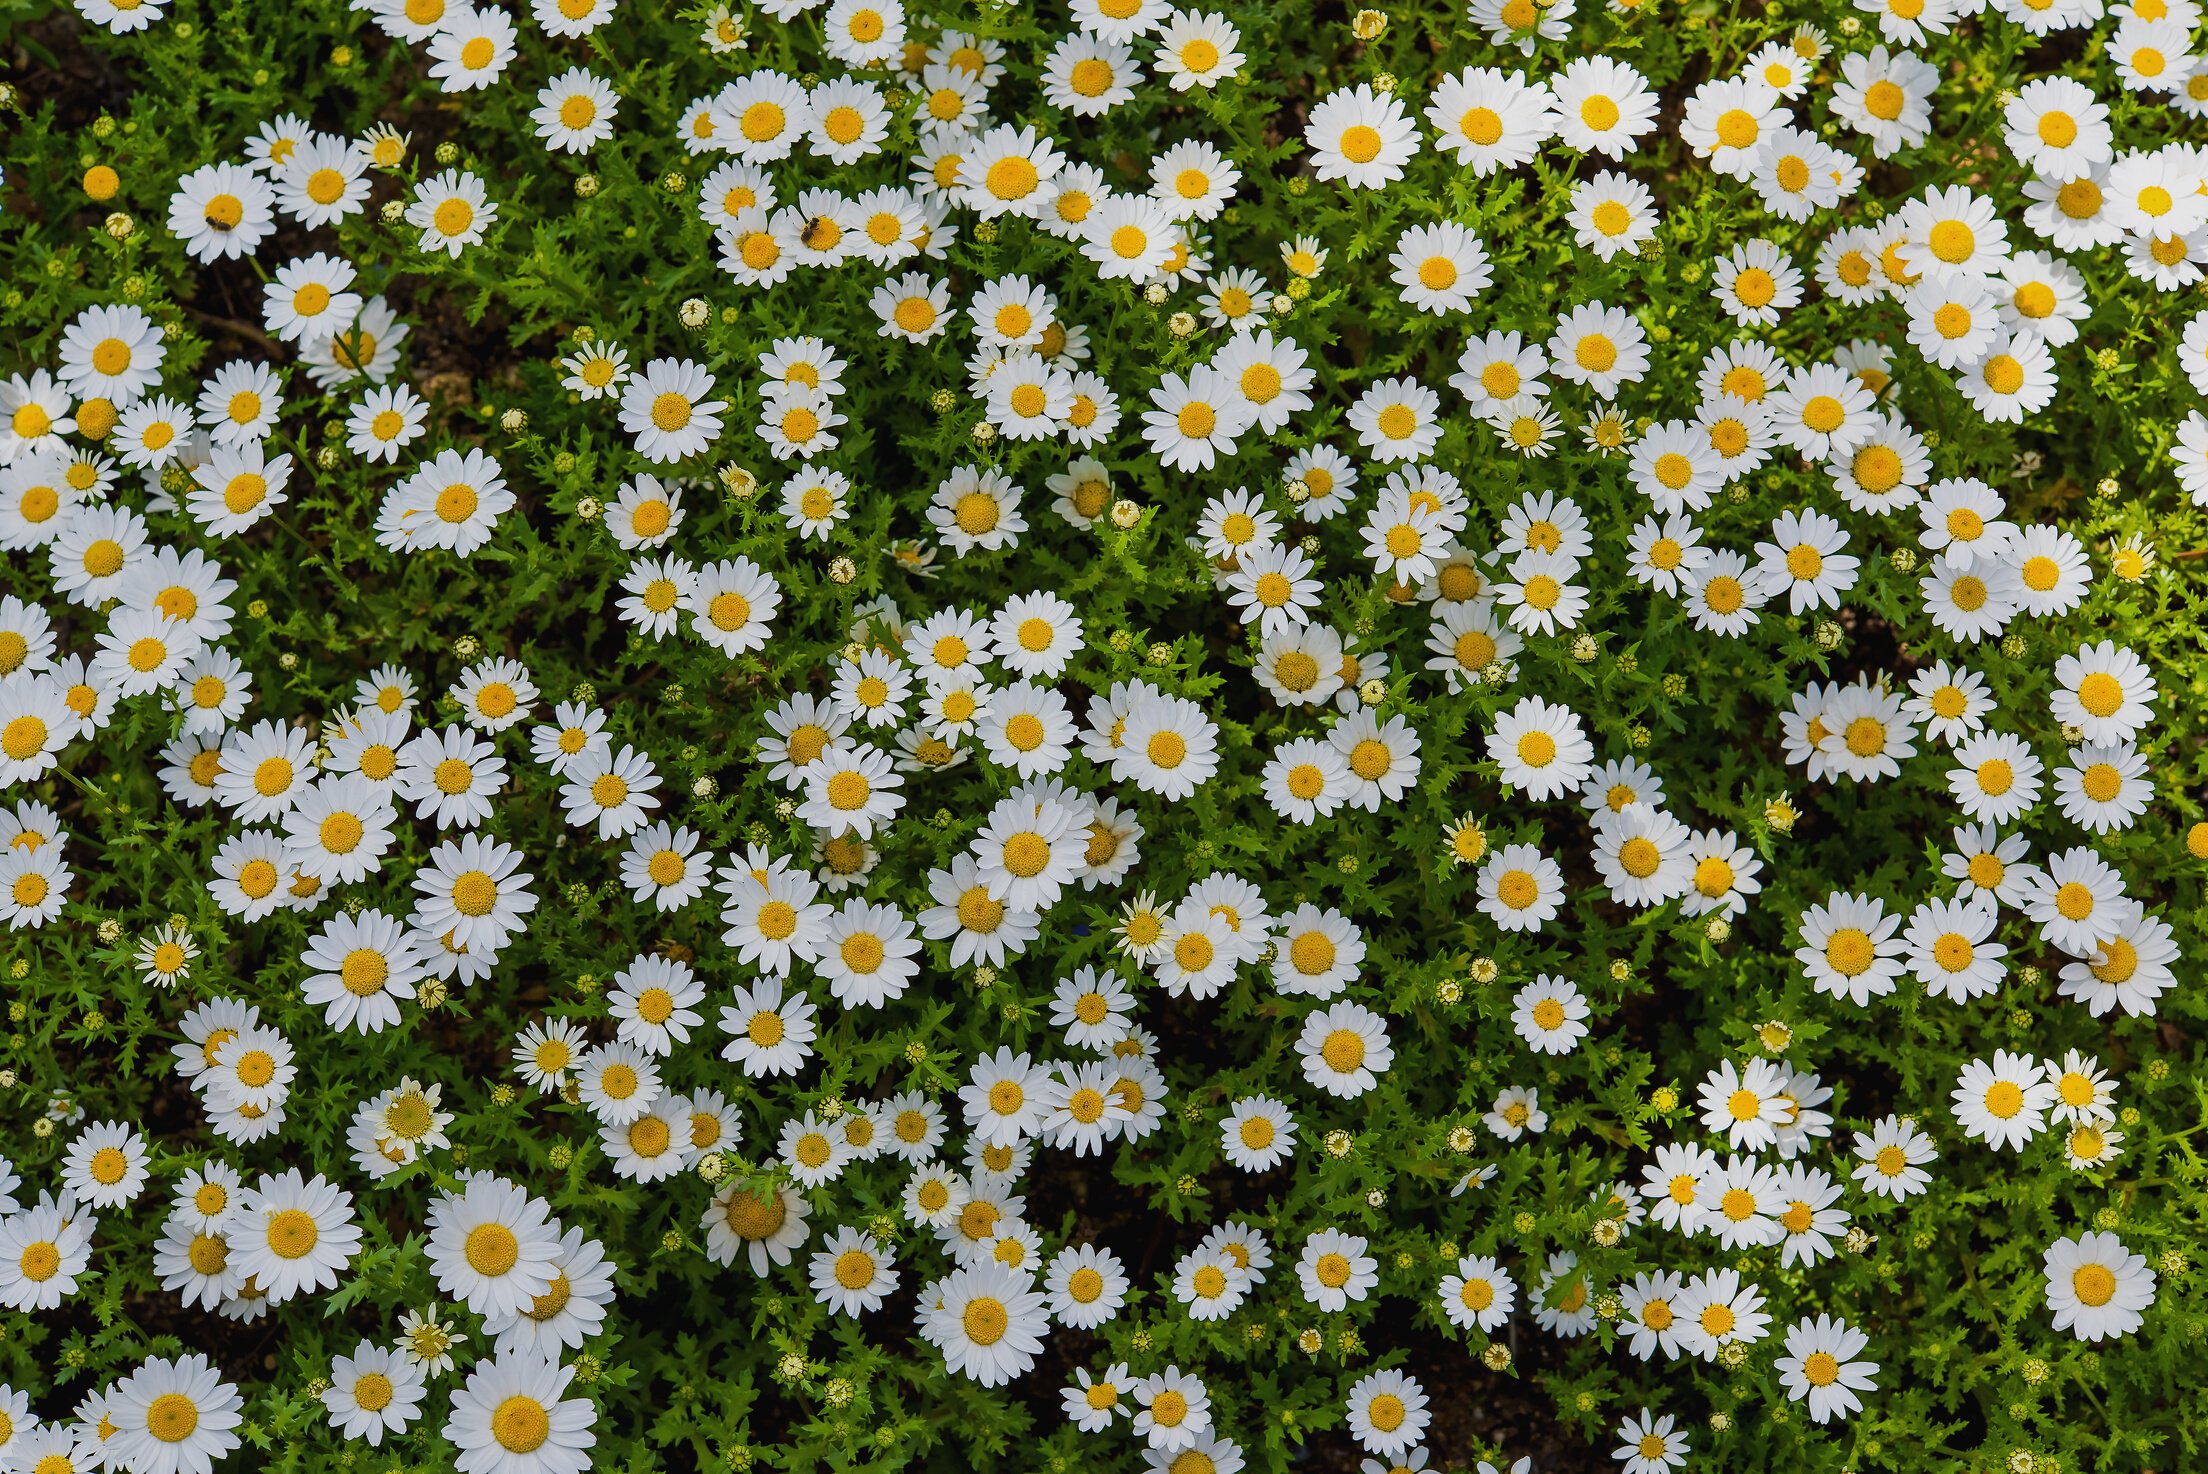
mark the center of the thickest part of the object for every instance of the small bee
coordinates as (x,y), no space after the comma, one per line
(821,233)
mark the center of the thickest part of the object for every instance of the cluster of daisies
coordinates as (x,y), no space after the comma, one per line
(539,1289)
(132,492)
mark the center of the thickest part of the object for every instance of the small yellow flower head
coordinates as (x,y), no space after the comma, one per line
(1466,841)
